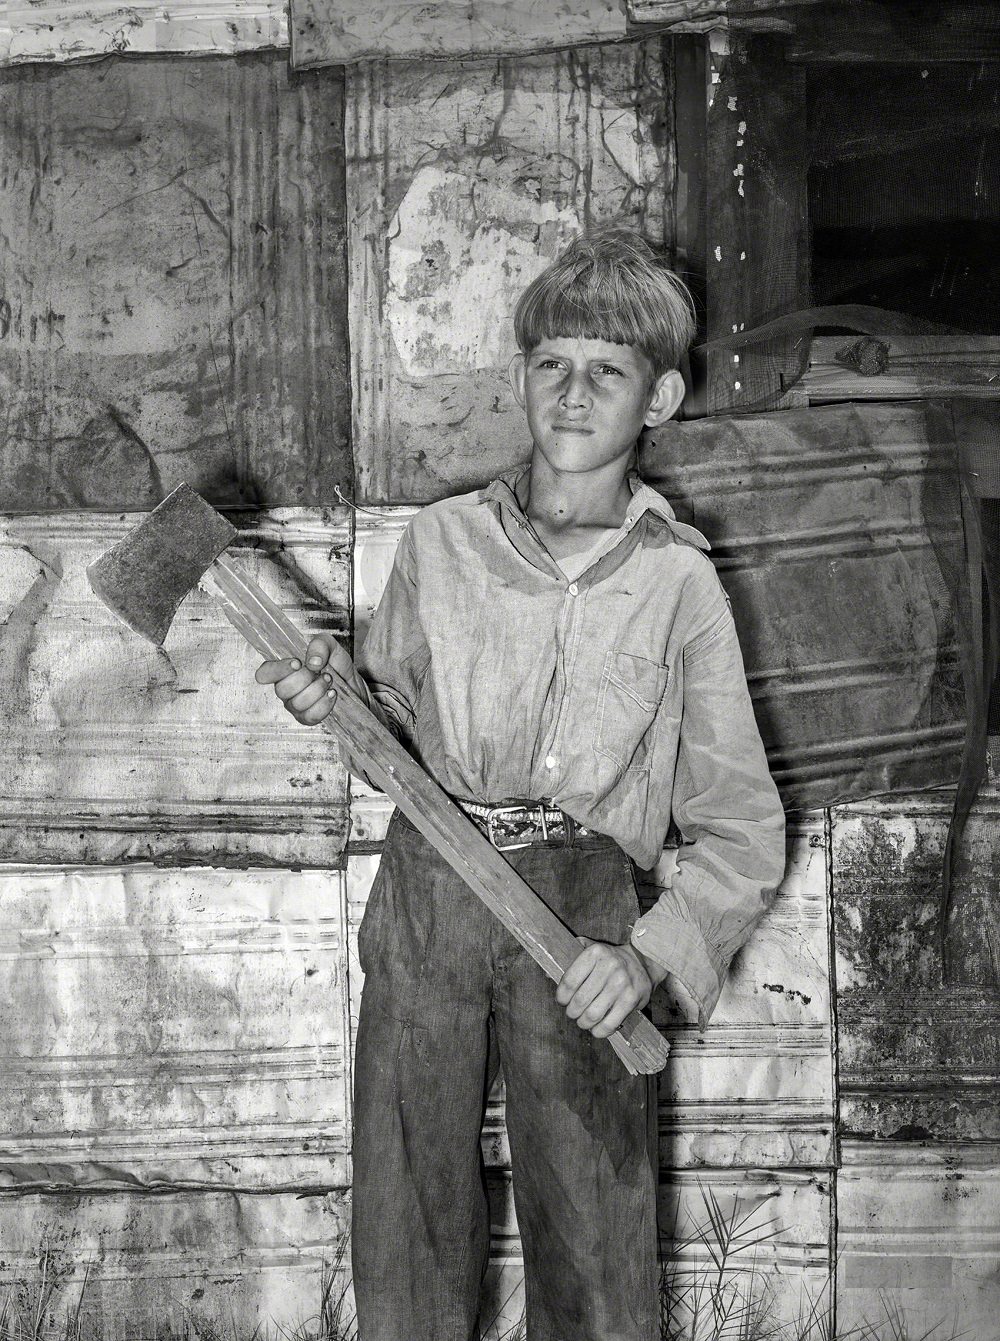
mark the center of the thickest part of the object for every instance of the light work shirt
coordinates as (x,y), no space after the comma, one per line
(619,694)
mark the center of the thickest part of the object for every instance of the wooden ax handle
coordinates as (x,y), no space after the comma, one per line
(265,625)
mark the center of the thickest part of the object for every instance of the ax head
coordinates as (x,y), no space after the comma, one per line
(144,578)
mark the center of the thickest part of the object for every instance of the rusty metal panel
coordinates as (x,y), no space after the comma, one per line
(176,1028)
(209,1264)
(918,1234)
(68,30)
(115,750)
(463,178)
(185,318)
(333,32)
(919,1059)
(825,524)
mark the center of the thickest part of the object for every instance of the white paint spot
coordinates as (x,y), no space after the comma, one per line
(742,325)
(740,190)
(739,143)
(718,253)
(715,76)
(736,386)
(736,357)
(924,74)
(738,170)
(741,129)
(734,329)
(743,255)
(732,108)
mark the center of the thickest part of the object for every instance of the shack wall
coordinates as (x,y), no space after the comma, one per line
(180,893)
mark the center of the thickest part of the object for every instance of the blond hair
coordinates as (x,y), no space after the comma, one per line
(609,284)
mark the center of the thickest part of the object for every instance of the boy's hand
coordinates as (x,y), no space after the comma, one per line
(309,691)
(603,983)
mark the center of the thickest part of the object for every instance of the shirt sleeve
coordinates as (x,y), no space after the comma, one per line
(395,655)
(726,806)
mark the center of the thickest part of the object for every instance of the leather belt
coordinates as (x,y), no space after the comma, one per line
(524,823)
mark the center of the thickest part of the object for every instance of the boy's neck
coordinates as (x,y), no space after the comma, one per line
(554,501)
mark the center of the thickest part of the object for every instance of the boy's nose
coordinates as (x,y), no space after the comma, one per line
(575,393)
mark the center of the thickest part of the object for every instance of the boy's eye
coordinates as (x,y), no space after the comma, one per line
(610,368)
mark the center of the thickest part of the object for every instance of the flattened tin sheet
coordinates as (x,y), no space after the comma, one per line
(115,750)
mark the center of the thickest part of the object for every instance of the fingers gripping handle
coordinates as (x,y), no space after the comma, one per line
(267,628)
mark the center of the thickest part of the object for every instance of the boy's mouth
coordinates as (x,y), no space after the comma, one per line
(562,427)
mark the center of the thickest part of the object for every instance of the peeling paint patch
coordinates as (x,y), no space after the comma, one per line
(458,259)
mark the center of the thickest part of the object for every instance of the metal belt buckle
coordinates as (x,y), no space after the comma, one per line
(495,811)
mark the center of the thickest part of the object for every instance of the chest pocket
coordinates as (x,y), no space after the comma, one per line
(631,690)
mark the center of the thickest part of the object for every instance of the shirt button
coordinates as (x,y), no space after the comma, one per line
(550,761)
(573,589)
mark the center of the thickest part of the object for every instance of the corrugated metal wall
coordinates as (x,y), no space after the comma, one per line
(178,908)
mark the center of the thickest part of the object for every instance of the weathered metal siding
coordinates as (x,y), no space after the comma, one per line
(174,1028)
(919,1067)
(115,750)
(69,30)
(463,179)
(185,317)
(828,528)
(353,30)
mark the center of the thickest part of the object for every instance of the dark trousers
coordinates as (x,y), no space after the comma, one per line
(440,973)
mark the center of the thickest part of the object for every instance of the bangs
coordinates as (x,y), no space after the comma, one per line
(607,289)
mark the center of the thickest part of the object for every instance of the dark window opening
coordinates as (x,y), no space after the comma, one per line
(904,189)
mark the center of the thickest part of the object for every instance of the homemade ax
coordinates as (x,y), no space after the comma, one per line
(143,580)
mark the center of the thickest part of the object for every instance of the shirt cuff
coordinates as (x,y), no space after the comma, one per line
(670,936)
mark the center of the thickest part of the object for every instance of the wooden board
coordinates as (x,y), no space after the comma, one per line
(743,161)
(184,318)
(881,31)
(463,180)
(115,750)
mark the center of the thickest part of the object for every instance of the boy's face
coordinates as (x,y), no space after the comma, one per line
(587,401)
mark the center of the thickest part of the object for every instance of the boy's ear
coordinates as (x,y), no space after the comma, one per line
(515,376)
(666,396)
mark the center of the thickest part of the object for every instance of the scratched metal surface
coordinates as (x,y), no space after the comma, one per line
(165,1029)
(114,750)
(333,32)
(185,317)
(825,525)
(182,1263)
(69,30)
(918,1234)
(463,178)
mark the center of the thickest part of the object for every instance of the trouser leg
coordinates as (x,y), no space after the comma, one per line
(420,1235)
(584,1179)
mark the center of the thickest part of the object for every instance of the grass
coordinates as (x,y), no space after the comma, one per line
(729,1295)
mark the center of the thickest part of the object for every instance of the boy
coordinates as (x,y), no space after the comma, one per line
(558,653)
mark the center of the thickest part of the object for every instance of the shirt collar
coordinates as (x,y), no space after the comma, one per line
(644,499)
